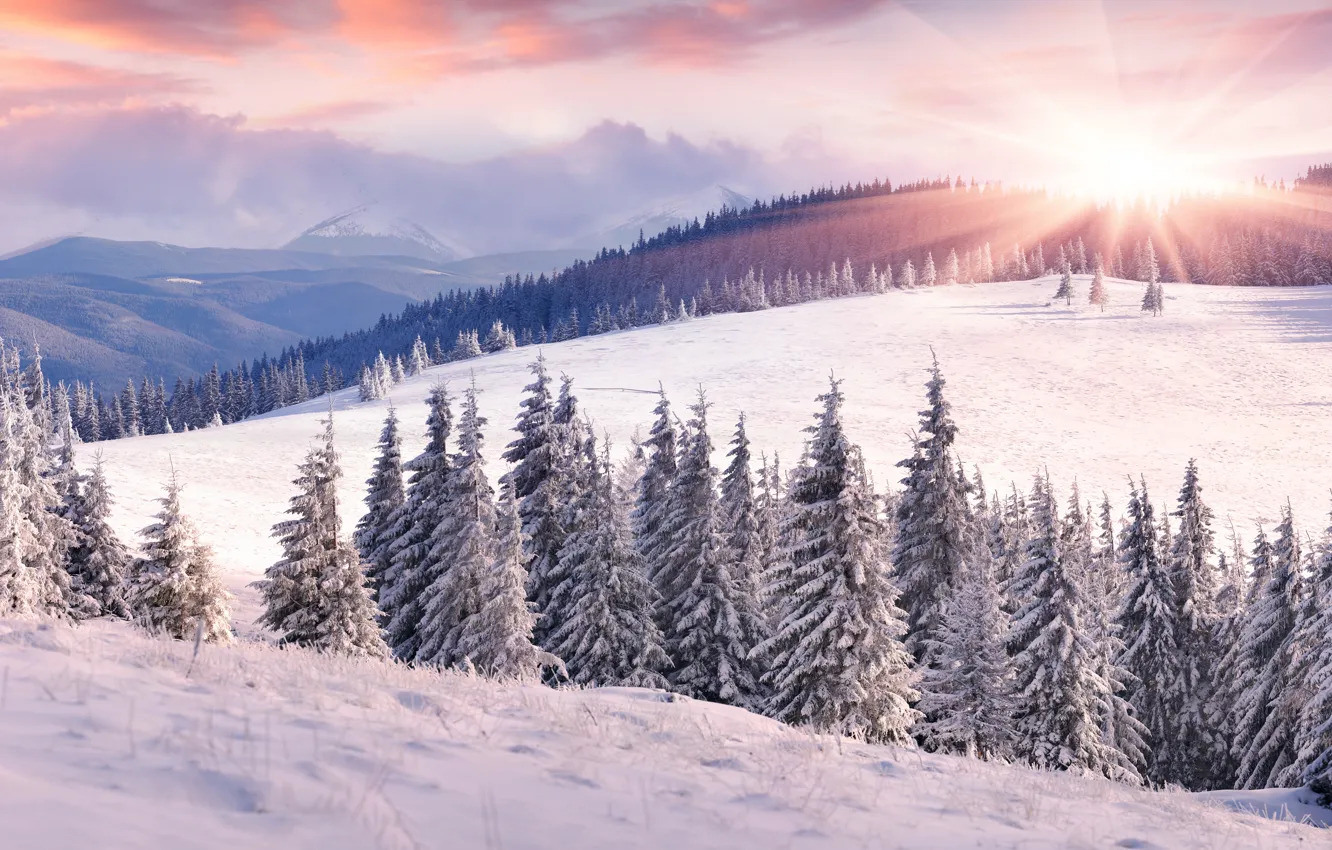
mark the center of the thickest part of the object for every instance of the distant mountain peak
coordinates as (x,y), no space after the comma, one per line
(370,229)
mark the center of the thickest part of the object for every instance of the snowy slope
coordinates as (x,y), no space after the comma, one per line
(260,748)
(1236,378)
(105,743)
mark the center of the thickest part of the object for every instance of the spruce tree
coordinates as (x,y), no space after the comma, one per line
(710,622)
(967,697)
(538,456)
(745,522)
(1065,290)
(1149,620)
(609,637)
(1265,726)
(649,516)
(384,499)
(98,563)
(1314,730)
(174,587)
(931,521)
(1062,697)
(409,573)
(1097,296)
(461,547)
(316,595)
(498,639)
(1195,583)
(837,661)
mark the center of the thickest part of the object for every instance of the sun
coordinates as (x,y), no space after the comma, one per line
(1124,170)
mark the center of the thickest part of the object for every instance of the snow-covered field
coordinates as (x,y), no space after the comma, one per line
(1240,379)
(105,743)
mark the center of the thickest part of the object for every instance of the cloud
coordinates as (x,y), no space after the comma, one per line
(179,175)
(29,83)
(438,37)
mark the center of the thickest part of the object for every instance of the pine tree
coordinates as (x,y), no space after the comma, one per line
(1097,296)
(409,572)
(710,623)
(1062,696)
(498,639)
(609,637)
(384,498)
(966,697)
(174,588)
(650,507)
(98,563)
(838,663)
(1065,290)
(1314,730)
(931,519)
(1265,727)
(1262,656)
(461,547)
(747,529)
(1196,590)
(1149,622)
(316,595)
(538,456)
(34,535)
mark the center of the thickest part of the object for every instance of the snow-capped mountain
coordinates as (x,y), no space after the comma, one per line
(624,231)
(369,230)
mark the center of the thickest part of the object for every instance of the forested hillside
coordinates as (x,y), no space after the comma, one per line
(824,243)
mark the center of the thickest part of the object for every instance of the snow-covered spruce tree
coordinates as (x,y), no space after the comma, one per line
(174,585)
(537,456)
(462,546)
(384,499)
(609,637)
(743,519)
(1062,697)
(98,563)
(1195,582)
(837,661)
(1009,548)
(1237,665)
(710,621)
(316,595)
(967,698)
(931,521)
(498,639)
(419,360)
(1149,623)
(1065,290)
(34,535)
(1261,724)
(650,506)
(1097,296)
(1218,710)
(409,572)
(1314,731)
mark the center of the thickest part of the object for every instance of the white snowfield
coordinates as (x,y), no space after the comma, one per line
(106,743)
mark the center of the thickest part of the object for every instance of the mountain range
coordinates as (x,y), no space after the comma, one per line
(107,310)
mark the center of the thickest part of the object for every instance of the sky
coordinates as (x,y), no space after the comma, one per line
(513,124)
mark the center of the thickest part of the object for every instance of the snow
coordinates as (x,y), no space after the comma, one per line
(1234,377)
(374,229)
(115,740)
(259,747)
